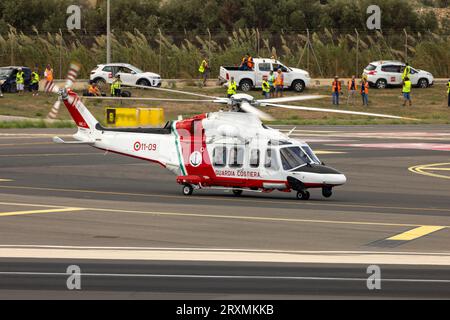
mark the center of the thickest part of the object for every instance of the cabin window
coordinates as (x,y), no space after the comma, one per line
(220,156)
(236,157)
(271,160)
(254,158)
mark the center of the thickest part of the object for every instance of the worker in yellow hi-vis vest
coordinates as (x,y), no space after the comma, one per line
(116,87)
(448,92)
(204,71)
(407,91)
(232,88)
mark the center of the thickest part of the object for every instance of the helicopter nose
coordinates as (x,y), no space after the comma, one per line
(333,177)
(340,179)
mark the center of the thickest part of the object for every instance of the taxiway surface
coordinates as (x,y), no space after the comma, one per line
(57,201)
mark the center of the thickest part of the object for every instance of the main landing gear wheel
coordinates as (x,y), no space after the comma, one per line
(188,190)
(237,193)
(303,195)
(327,192)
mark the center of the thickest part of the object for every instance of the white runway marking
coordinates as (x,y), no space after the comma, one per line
(236,277)
(223,255)
(415,146)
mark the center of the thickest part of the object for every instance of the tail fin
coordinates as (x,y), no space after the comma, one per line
(80,114)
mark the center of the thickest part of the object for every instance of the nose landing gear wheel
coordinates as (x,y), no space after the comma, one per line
(327,192)
(188,190)
(303,195)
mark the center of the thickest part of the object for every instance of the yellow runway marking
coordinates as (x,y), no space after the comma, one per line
(5,180)
(419,230)
(18,213)
(416,233)
(328,152)
(424,170)
(24,144)
(14,204)
(244,201)
(213,216)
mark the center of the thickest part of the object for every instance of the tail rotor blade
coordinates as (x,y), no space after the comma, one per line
(72,75)
(51,87)
(53,114)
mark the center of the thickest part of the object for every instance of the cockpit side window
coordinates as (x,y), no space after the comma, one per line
(271,160)
(220,156)
(236,157)
(254,158)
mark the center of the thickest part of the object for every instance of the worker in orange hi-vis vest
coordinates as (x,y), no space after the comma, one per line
(279,83)
(48,74)
(352,90)
(336,90)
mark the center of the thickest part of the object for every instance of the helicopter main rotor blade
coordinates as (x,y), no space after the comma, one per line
(291,99)
(172,91)
(150,99)
(339,111)
(245,106)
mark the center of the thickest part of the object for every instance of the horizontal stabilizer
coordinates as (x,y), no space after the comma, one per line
(61,141)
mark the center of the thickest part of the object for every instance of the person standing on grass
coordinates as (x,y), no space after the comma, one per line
(448,92)
(35,82)
(204,71)
(116,87)
(279,84)
(20,81)
(232,88)
(365,92)
(406,72)
(352,87)
(407,92)
(271,81)
(266,87)
(48,74)
(336,90)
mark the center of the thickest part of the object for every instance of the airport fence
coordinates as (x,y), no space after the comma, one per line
(323,53)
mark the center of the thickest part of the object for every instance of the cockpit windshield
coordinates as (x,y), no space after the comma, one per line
(311,154)
(294,157)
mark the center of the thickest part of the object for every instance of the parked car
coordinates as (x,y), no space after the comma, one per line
(130,75)
(8,78)
(294,78)
(382,74)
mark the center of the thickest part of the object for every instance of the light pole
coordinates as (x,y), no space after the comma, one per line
(108,31)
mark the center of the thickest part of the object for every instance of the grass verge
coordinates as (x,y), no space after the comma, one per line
(22,124)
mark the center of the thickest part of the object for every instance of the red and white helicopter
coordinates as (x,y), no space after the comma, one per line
(224,150)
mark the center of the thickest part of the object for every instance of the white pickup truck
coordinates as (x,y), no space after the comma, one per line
(294,78)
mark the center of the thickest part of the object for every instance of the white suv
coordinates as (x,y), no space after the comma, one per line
(130,75)
(381,74)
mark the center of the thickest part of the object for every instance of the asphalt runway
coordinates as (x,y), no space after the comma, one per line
(117,217)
